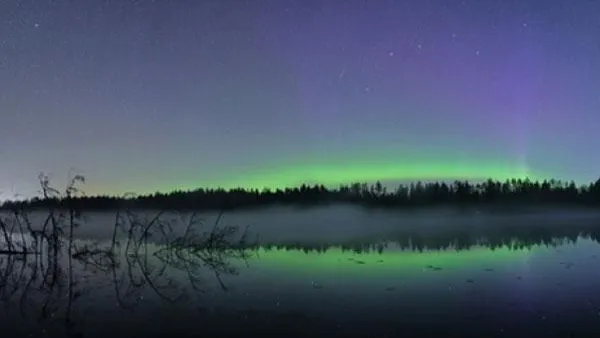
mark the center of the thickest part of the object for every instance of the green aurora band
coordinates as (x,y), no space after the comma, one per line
(335,174)
(331,174)
(334,167)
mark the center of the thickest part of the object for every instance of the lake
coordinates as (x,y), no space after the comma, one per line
(322,272)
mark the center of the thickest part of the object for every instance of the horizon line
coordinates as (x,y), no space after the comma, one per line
(394,184)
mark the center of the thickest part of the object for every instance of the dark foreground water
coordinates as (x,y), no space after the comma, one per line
(324,273)
(385,291)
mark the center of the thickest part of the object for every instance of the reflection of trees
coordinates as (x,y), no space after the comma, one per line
(42,271)
(37,285)
(138,264)
(47,289)
(519,237)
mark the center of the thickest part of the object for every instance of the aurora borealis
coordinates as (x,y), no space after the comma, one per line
(161,95)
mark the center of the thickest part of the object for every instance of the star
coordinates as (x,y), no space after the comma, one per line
(391,53)
(420,46)
(454,35)
(36,25)
(367,89)
(477,52)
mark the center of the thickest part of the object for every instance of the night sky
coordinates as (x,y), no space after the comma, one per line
(160,95)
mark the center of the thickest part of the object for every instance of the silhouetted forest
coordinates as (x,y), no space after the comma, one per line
(417,194)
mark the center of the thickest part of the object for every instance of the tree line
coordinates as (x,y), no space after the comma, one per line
(512,191)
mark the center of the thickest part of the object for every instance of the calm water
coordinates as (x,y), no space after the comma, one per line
(346,224)
(373,280)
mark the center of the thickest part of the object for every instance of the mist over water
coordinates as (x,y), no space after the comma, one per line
(343,224)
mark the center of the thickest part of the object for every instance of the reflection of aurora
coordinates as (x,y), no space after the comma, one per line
(338,260)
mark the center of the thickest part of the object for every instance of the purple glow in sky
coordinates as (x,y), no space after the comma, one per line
(148,95)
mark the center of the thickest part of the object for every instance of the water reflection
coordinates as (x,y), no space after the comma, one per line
(47,289)
(46,273)
(519,237)
(500,286)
